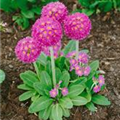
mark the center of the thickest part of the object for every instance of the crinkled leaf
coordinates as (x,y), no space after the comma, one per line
(100,100)
(94,66)
(91,107)
(78,100)
(24,87)
(26,95)
(58,74)
(66,102)
(40,104)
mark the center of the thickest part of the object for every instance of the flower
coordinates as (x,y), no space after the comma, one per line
(53,93)
(27,50)
(79,72)
(47,31)
(64,91)
(77,26)
(71,54)
(96,88)
(87,71)
(56,48)
(73,62)
(77,67)
(101,80)
(55,10)
(83,57)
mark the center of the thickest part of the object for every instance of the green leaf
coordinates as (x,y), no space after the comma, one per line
(66,102)
(65,78)
(32,1)
(25,23)
(42,59)
(66,112)
(2,76)
(78,100)
(88,12)
(75,90)
(35,97)
(60,62)
(48,68)
(26,95)
(45,79)
(24,87)
(84,3)
(44,114)
(22,4)
(108,6)
(58,74)
(91,107)
(29,78)
(57,112)
(28,14)
(85,50)
(100,100)
(94,66)
(40,104)
(71,46)
(36,10)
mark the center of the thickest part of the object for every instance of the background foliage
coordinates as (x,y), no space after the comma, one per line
(24,9)
(96,6)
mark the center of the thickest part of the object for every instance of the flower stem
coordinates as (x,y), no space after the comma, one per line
(53,66)
(77,49)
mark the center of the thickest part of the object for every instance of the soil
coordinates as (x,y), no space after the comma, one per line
(104,45)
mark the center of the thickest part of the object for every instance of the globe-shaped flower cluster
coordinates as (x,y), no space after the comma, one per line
(27,50)
(77,26)
(55,10)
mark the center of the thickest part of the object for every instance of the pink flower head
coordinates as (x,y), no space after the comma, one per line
(64,91)
(77,67)
(79,72)
(61,53)
(73,62)
(83,57)
(87,71)
(47,31)
(96,88)
(56,48)
(55,10)
(53,93)
(77,26)
(101,80)
(27,50)
(71,54)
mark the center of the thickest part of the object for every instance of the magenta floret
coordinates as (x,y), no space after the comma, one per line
(55,10)
(27,50)
(47,31)
(77,26)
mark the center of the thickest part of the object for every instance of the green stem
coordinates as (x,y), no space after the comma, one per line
(53,66)
(77,49)
(36,69)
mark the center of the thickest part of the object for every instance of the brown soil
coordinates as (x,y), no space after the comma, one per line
(103,43)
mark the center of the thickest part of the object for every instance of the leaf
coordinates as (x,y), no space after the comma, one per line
(94,66)
(71,46)
(24,87)
(60,62)
(28,14)
(108,6)
(22,4)
(85,50)
(26,95)
(2,76)
(57,112)
(36,10)
(78,100)
(25,23)
(84,3)
(44,114)
(66,112)
(65,77)
(45,79)
(32,1)
(42,59)
(29,78)
(40,104)
(75,90)
(88,12)
(58,74)
(91,107)
(66,102)
(100,100)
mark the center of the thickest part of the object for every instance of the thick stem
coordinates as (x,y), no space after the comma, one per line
(53,66)
(77,49)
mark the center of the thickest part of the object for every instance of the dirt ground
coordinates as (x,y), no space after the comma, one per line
(104,45)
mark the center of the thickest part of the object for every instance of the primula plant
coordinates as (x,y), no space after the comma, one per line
(63,78)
